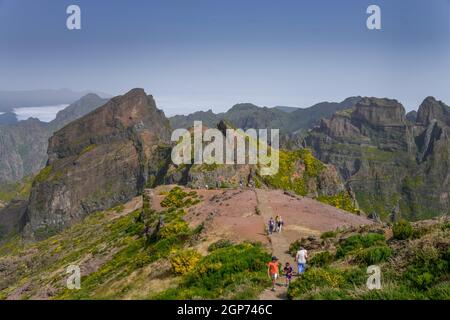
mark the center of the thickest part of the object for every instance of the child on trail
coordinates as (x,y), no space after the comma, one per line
(272,271)
(271,225)
(288,272)
(301,257)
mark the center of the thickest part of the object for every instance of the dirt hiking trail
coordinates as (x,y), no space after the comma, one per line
(279,245)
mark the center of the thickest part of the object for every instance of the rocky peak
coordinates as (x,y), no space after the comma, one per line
(431,109)
(100,160)
(380,112)
(122,116)
(243,107)
(412,116)
(77,109)
(8,118)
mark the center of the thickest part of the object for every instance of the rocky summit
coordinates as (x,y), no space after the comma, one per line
(100,160)
(397,167)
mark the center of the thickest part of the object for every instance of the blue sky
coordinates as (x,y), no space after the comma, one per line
(200,54)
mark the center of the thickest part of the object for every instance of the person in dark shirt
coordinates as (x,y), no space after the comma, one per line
(288,272)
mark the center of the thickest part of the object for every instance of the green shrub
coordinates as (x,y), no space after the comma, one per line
(142,259)
(355,277)
(184,261)
(231,272)
(393,292)
(341,200)
(314,279)
(329,234)
(321,259)
(223,243)
(177,198)
(374,255)
(402,230)
(428,267)
(359,241)
(289,175)
(173,228)
(419,232)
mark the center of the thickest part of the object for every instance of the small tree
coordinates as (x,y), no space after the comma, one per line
(402,230)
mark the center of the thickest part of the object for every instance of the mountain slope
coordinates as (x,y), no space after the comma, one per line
(126,253)
(396,168)
(23,145)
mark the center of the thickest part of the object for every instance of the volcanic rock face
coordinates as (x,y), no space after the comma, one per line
(395,167)
(98,161)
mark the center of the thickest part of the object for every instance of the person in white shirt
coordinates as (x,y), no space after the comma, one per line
(301,257)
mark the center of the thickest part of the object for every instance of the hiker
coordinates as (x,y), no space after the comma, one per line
(301,257)
(277,222)
(271,225)
(288,272)
(272,271)
(280,223)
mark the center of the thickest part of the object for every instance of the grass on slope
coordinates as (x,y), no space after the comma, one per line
(136,255)
(414,268)
(15,190)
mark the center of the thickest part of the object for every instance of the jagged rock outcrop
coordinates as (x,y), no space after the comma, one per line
(430,110)
(388,161)
(100,160)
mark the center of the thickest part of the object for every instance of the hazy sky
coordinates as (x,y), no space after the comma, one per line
(197,54)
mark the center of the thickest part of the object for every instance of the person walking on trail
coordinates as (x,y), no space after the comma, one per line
(271,225)
(301,257)
(288,272)
(277,219)
(272,271)
(280,223)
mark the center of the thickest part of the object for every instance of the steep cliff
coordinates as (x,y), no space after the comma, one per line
(100,160)
(395,167)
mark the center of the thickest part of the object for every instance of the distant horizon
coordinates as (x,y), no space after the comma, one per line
(27,112)
(222,107)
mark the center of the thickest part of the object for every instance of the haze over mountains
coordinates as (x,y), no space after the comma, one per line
(37,98)
(23,144)
(247,115)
